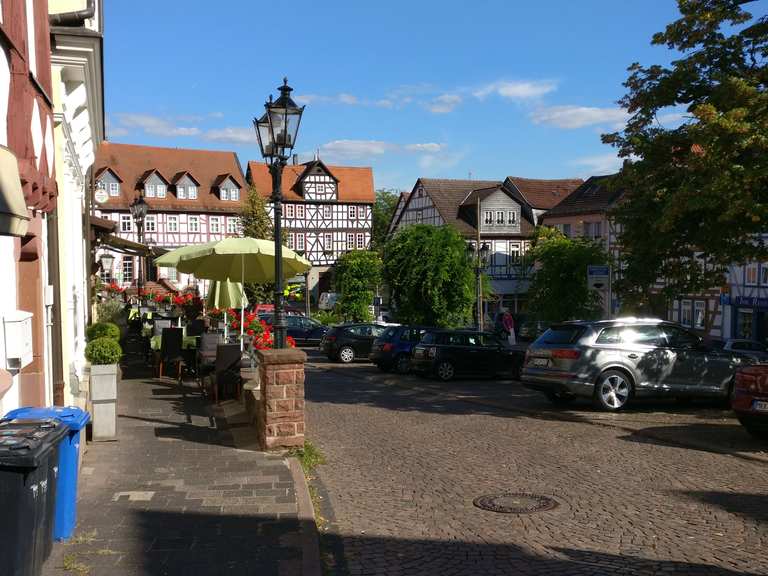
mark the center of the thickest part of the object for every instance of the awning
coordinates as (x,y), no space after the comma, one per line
(127,246)
(14,218)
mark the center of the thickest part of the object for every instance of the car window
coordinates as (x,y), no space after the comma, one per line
(679,338)
(415,334)
(474,340)
(455,339)
(492,341)
(293,322)
(738,345)
(389,334)
(638,335)
(562,334)
(355,330)
(377,330)
(428,338)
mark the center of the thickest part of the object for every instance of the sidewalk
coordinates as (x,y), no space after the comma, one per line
(173,496)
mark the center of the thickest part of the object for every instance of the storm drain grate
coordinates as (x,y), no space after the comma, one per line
(515,503)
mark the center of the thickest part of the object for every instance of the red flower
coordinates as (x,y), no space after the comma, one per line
(249,332)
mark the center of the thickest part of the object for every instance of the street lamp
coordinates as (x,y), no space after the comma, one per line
(276,131)
(106,260)
(138,210)
(480,260)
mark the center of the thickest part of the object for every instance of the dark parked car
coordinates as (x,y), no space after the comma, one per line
(349,341)
(393,348)
(302,329)
(531,329)
(612,361)
(750,399)
(448,353)
(753,349)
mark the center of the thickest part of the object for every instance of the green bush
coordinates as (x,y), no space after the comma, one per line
(111,310)
(327,317)
(103,330)
(103,351)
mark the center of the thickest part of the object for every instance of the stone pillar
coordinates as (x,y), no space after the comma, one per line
(280,415)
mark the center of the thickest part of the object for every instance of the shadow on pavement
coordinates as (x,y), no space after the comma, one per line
(749,506)
(716,438)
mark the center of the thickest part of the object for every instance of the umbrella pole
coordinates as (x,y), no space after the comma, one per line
(242,294)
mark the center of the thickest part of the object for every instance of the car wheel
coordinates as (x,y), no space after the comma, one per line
(445,371)
(559,398)
(613,390)
(346,354)
(402,364)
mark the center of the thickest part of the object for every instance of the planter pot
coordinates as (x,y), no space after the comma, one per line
(104,400)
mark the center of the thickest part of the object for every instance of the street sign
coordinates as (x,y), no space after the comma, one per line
(598,277)
(101,196)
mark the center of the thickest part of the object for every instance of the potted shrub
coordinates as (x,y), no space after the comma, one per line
(104,354)
(103,330)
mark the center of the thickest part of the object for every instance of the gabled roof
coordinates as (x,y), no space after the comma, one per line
(355,184)
(401,202)
(481,194)
(179,175)
(221,178)
(147,173)
(315,164)
(543,194)
(103,169)
(133,162)
(593,196)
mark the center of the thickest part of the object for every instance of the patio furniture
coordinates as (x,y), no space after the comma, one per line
(196,327)
(206,357)
(161,325)
(170,349)
(227,370)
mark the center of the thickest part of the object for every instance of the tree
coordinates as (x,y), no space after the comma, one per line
(357,273)
(696,195)
(559,288)
(255,223)
(431,278)
(383,209)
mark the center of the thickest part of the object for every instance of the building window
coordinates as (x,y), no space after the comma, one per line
(149,190)
(488,218)
(114,189)
(499,217)
(289,211)
(225,193)
(193,223)
(511,217)
(127,269)
(327,212)
(214,225)
(587,231)
(319,189)
(764,274)
(234,194)
(300,242)
(350,241)
(232,225)
(150,224)
(750,274)
(169,273)
(327,242)
(566,230)
(289,240)
(160,190)
(100,185)
(686,313)
(172,224)
(181,192)
(699,312)
(353,212)
(126,223)
(419,217)
(192,192)
(361,241)
(597,231)
(514,254)
(744,318)
(300,211)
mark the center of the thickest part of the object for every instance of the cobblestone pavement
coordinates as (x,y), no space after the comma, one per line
(173,496)
(405,464)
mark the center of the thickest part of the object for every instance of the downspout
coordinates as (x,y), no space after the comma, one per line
(54,279)
(73,19)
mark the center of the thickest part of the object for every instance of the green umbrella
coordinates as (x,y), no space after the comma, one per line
(171,259)
(225,294)
(240,260)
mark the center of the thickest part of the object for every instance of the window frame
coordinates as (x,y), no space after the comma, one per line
(149,191)
(763,275)
(499,218)
(350,241)
(172,219)
(234,194)
(161,190)
(328,242)
(211,221)
(127,270)
(488,217)
(114,189)
(300,212)
(290,211)
(352,212)
(126,218)
(686,304)
(193,219)
(191,192)
(751,267)
(301,242)
(181,192)
(699,306)
(232,225)
(290,240)
(511,217)
(150,219)
(360,245)
(327,212)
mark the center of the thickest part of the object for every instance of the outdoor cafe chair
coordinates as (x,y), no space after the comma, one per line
(227,369)
(205,358)
(170,349)
(161,325)
(196,327)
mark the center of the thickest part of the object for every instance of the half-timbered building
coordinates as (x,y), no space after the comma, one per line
(327,211)
(194,196)
(504,213)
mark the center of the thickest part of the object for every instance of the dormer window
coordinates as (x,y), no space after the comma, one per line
(149,191)
(488,218)
(500,217)
(114,189)
(192,192)
(181,192)
(160,190)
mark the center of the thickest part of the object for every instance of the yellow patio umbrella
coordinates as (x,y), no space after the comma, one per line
(240,260)
(171,259)
(225,294)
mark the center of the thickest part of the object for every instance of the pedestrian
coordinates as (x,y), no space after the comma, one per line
(509,327)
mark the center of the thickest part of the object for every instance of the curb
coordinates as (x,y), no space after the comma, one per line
(386,381)
(310,542)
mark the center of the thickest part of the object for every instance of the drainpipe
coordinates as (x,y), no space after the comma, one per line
(73,19)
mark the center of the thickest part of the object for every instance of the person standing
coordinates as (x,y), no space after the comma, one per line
(509,327)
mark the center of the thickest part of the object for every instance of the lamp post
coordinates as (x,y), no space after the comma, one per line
(138,210)
(276,131)
(106,260)
(480,259)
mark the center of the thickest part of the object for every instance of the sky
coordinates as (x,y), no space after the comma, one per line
(420,88)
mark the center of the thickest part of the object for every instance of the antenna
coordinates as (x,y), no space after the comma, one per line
(317,154)
(470,175)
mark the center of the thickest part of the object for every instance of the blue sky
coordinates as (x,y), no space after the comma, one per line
(418,88)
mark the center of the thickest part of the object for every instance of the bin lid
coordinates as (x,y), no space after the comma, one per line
(24,443)
(72,416)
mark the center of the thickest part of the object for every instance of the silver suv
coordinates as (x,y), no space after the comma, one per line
(613,361)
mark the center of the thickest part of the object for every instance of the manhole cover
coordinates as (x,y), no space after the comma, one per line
(515,503)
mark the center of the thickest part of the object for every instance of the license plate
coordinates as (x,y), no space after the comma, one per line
(759,406)
(540,362)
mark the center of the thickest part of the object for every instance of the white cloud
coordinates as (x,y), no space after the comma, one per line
(444,103)
(383,103)
(216,114)
(429,147)
(356,149)
(233,134)
(570,117)
(519,90)
(598,164)
(115,131)
(671,118)
(155,125)
(347,99)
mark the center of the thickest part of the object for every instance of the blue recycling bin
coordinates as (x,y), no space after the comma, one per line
(66,485)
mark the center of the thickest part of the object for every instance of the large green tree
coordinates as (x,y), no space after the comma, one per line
(255,223)
(383,209)
(559,288)
(695,194)
(431,278)
(357,274)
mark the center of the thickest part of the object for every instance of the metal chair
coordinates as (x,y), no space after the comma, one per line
(170,349)
(205,359)
(196,327)
(227,369)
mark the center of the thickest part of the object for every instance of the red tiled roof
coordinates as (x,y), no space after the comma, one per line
(593,196)
(355,184)
(132,163)
(544,194)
